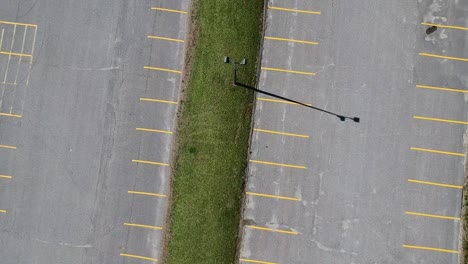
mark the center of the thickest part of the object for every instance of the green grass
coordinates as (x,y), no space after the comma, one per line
(213,134)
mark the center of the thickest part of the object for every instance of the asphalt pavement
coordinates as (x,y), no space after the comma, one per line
(87,110)
(387,189)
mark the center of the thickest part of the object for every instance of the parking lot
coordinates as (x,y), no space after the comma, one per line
(385,190)
(87,114)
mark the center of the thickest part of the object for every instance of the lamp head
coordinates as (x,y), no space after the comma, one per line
(226,59)
(243,62)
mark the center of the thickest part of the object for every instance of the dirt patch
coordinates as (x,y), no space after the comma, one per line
(464,226)
(463,244)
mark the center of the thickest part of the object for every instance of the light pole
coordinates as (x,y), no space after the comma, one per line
(235,83)
(242,62)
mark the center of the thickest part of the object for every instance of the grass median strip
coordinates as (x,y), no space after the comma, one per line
(213,133)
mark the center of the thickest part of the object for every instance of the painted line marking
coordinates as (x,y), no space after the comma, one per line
(438,151)
(18,24)
(143,226)
(20,59)
(5,76)
(278,101)
(150,162)
(161,69)
(443,57)
(280,133)
(288,71)
(272,230)
(11,115)
(293,40)
(441,120)
(437,184)
(15,54)
(278,164)
(169,39)
(137,257)
(431,248)
(444,26)
(294,10)
(2,211)
(169,10)
(433,216)
(273,196)
(256,261)
(157,100)
(442,88)
(147,193)
(153,130)
(5,176)
(7,147)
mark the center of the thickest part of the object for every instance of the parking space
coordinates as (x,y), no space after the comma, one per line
(277,166)
(17,41)
(154,166)
(438,126)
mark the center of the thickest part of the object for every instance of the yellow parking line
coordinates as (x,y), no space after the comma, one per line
(157,100)
(256,261)
(5,176)
(438,151)
(2,211)
(436,184)
(293,40)
(280,133)
(169,39)
(169,10)
(278,101)
(433,249)
(273,230)
(15,54)
(147,193)
(8,147)
(294,10)
(273,196)
(278,164)
(18,24)
(434,216)
(444,26)
(442,88)
(153,130)
(161,69)
(288,71)
(441,120)
(5,76)
(137,257)
(11,115)
(150,162)
(144,226)
(443,57)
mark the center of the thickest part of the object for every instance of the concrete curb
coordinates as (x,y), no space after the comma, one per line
(252,122)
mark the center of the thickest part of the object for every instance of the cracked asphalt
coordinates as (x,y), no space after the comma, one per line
(387,189)
(88,178)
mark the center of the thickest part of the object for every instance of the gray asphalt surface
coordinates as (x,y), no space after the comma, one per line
(350,203)
(79,102)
